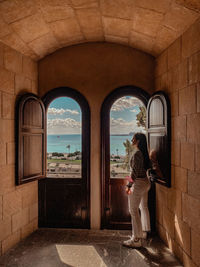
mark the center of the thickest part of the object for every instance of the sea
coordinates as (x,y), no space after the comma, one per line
(70,143)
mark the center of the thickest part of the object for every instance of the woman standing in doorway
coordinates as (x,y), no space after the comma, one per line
(137,191)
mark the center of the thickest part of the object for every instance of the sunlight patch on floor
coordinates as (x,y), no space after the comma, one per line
(80,256)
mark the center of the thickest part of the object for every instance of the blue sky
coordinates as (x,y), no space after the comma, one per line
(64,116)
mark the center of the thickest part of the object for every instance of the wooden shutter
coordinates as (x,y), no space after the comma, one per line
(159,139)
(31,137)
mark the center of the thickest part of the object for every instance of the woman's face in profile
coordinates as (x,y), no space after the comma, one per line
(134,141)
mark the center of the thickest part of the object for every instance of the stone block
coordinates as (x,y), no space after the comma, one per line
(44,45)
(182,235)
(195,245)
(177,250)
(156,5)
(6,81)
(84,3)
(147,21)
(22,84)
(13,40)
(10,153)
(2,153)
(176,152)
(197,158)
(178,18)
(164,83)
(187,261)
(179,128)
(117,8)
(7,133)
(194,68)
(191,211)
(27,230)
(12,203)
(117,39)
(30,28)
(116,27)
(34,87)
(193,128)
(162,232)
(56,11)
(141,41)
(180,75)
(8,106)
(174,54)
(174,99)
(164,38)
(161,64)
(187,156)
(91,23)
(198,97)
(191,40)
(174,202)
(168,221)
(12,60)
(4,28)
(13,11)
(180,182)
(194,184)
(30,68)
(1,208)
(33,212)
(20,219)
(5,228)
(2,47)
(7,179)
(187,100)
(10,241)
(29,194)
(67,30)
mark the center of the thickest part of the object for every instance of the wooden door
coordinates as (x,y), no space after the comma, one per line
(65,202)
(159,139)
(115,214)
(31,139)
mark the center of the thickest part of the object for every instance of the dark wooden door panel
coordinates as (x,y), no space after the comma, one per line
(159,139)
(119,212)
(65,202)
(31,139)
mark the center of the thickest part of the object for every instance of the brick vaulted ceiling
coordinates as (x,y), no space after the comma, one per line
(36,28)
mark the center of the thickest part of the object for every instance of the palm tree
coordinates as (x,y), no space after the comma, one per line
(128,149)
(68,146)
(117,151)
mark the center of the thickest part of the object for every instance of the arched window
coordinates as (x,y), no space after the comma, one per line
(125,111)
(54,146)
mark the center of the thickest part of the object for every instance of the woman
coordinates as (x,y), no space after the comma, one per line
(138,191)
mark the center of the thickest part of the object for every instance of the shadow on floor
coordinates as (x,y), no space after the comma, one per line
(85,248)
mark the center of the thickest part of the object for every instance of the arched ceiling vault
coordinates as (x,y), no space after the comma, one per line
(36,28)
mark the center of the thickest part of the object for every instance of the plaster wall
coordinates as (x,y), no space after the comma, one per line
(18,204)
(178,208)
(95,69)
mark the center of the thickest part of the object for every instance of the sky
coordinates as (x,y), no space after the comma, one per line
(64,116)
(123,115)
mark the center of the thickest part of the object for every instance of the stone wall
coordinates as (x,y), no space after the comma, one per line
(178,208)
(95,69)
(18,204)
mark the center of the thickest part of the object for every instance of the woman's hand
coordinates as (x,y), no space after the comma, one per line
(128,190)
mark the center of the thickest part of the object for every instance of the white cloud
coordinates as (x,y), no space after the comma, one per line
(125,103)
(68,122)
(133,110)
(120,126)
(60,111)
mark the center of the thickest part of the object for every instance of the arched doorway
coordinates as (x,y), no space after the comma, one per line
(117,128)
(64,195)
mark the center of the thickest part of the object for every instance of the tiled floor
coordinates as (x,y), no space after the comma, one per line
(85,248)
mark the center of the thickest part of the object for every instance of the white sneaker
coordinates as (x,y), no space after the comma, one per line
(131,243)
